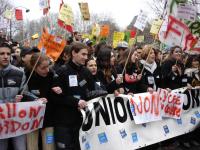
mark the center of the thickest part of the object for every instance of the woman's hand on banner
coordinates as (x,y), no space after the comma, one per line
(139,77)
(82,104)
(150,90)
(43,100)
(18,98)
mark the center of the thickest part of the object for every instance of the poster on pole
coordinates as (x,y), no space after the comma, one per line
(141,21)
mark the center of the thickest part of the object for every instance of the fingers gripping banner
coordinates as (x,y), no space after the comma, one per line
(20,118)
(108,123)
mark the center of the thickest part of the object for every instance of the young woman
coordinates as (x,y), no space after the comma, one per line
(43,84)
(151,75)
(172,69)
(106,72)
(100,89)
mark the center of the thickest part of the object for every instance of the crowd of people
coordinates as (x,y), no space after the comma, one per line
(82,72)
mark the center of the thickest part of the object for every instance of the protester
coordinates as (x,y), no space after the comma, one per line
(11,92)
(76,81)
(106,72)
(151,74)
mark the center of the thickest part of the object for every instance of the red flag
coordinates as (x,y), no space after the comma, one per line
(66,27)
(132,33)
(18,14)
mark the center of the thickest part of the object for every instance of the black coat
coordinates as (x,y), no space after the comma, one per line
(41,87)
(67,113)
(170,80)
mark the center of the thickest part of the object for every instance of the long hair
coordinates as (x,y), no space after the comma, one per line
(103,62)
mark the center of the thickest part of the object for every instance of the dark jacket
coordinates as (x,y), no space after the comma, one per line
(76,82)
(110,86)
(42,88)
(171,80)
(151,77)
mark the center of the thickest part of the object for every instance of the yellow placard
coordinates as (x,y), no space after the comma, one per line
(8,14)
(35,36)
(156,26)
(132,41)
(96,30)
(117,37)
(66,15)
(84,11)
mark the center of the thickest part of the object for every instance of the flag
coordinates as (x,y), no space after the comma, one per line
(66,27)
(18,14)
(127,36)
(132,33)
(104,30)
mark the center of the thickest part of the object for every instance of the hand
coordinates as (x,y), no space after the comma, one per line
(121,90)
(168,90)
(119,79)
(139,77)
(116,93)
(18,98)
(82,104)
(189,87)
(130,93)
(57,90)
(174,68)
(150,90)
(43,100)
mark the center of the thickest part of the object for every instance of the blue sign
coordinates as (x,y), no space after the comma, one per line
(166,129)
(123,133)
(134,137)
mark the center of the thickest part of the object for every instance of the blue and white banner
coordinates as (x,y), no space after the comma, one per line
(108,123)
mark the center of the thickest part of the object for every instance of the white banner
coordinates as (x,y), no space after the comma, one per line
(109,124)
(20,118)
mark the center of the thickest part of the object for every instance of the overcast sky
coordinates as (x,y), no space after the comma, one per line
(122,11)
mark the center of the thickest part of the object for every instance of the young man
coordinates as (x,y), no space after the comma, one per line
(12,80)
(75,82)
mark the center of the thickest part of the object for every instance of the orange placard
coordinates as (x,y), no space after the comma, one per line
(104,30)
(52,45)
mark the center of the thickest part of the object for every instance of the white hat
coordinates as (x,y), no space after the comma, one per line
(122,44)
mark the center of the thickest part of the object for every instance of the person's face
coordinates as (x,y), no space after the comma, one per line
(177,53)
(4,57)
(80,57)
(92,66)
(195,64)
(139,52)
(134,57)
(112,59)
(121,52)
(78,37)
(151,58)
(17,52)
(26,59)
(43,68)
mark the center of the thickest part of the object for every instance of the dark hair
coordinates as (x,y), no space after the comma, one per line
(37,56)
(77,46)
(173,48)
(91,58)
(5,45)
(103,62)
(98,47)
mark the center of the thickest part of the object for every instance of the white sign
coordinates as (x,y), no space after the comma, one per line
(108,124)
(20,118)
(146,107)
(171,103)
(186,11)
(141,21)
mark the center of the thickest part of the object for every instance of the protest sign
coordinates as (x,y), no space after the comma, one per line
(141,21)
(171,103)
(105,29)
(84,11)
(146,107)
(140,38)
(66,15)
(8,14)
(52,45)
(20,118)
(156,26)
(177,34)
(108,123)
(96,30)
(186,11)
(117,37)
